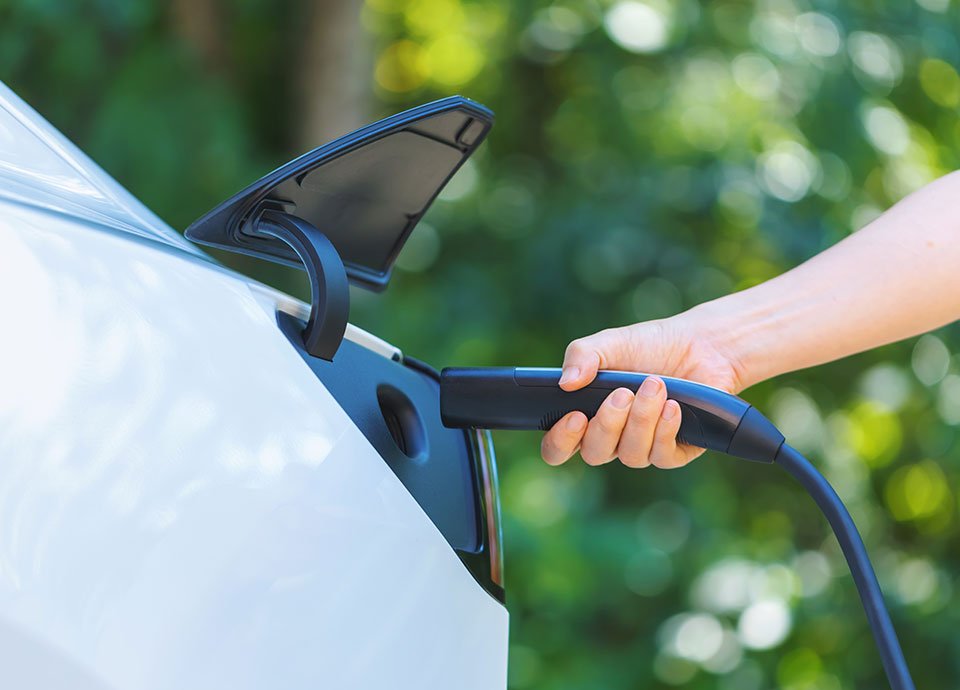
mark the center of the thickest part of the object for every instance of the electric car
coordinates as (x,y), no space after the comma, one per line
(205,483)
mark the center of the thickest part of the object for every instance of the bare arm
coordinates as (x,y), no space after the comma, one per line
(895,278)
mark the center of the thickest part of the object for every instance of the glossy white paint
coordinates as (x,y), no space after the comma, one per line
(41,167)
(182,504)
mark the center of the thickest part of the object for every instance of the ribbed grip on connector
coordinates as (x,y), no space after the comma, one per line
(521,398)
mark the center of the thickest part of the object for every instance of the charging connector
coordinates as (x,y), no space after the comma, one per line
(523,398)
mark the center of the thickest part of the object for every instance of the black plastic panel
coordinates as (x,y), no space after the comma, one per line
(438,466)
(365,191)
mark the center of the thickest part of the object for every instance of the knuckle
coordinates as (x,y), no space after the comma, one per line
(607,426)
(663,455)
(667,433)
(592,457)
(549,440)
(632,458)
(611,419)
(660,462)
(577,348)
(645,412)
(626,456)
(551,451)
(587,454)
(546,449)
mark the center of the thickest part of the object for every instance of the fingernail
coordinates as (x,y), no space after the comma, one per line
(622,398)
(570,374)
(669,412)
(650,387)
(575,423)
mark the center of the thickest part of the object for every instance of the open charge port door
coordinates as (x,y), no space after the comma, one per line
(397,408)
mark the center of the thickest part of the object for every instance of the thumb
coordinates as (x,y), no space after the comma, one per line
(607,349)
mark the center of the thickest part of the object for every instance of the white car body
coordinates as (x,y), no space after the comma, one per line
(182,503)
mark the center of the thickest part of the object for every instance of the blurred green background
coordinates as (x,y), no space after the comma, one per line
(648,155)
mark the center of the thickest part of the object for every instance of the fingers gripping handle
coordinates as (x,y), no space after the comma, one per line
(528,398)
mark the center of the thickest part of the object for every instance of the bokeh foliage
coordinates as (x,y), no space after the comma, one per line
(648,155)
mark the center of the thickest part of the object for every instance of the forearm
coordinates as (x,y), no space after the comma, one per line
(897,277)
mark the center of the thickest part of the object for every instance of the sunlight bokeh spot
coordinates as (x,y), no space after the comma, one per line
(788,170)
(814,571)
(917,581)
(776,32)
(948,399)
(930,360)
(796,415)
(400,67)
(453,59)
(434,17)
(877,57)
(756,75)
(918,491)
(886,129)
(874,433)
(819,34)
(940,82)
(639,27)
(725,586)
(764,624)
(887,385)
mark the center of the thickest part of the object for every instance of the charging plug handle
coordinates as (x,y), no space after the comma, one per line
(531,398)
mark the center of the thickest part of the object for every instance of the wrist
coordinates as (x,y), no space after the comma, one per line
(741,332)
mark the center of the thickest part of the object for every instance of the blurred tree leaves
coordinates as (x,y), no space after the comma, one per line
(648,155)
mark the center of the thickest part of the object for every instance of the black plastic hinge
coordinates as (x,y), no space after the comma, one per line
(329,289)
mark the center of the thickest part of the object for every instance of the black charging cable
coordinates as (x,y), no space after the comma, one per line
(530,398)
(851,544)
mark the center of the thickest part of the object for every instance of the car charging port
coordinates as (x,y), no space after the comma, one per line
(403,422)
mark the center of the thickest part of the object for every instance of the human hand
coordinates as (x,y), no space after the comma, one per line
(638,428)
